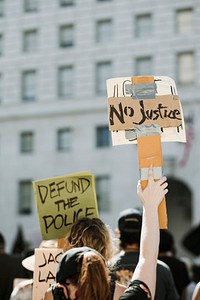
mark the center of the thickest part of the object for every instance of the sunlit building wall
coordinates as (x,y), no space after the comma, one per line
(55,57)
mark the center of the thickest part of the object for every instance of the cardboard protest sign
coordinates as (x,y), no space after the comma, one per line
(144,100)
(46,263)
(62,200)
(146,110)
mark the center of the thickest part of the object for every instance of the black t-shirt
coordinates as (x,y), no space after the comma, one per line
(10,268)
(135,291)
(165,286)
(179,271)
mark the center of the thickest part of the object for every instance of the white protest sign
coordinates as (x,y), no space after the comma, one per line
(46,263)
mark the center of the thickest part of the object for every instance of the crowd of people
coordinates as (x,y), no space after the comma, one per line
(143,266)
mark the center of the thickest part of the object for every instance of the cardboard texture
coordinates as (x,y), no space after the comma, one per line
(46,263)
(150,153)
(146,110)
(126,113)
(139,79)
(116,87)
(62,200)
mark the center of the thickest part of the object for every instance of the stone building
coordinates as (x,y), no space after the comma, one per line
(55,57)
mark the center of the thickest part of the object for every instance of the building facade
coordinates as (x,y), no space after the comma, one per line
(55,57)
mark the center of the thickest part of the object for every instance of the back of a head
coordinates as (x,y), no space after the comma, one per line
(129,225)
(92,233)
(88,267)
(94,279)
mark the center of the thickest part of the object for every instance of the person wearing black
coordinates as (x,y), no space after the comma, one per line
(124,263)
(83,275)
(178,268)
(10,268)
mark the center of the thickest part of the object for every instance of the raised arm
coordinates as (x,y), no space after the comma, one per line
(150,197)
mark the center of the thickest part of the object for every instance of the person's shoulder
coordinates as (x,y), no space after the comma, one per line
(125,255)
(125,259)
(161,265)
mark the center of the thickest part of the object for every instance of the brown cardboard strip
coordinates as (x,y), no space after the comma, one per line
(150,153)
(140,79)
(126,113)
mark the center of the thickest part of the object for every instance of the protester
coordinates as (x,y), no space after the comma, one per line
(10,268)
(24,289)
(124,263)
(167,254)
(194,270)
(82,272)
(95,234)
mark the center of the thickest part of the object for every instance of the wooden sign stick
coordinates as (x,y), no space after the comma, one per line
(61,243)
(150,153)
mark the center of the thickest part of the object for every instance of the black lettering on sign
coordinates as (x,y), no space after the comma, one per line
(58,221)
(70,203)
(43,278)
(55,189)
(124,113)
(80,185)
(161,112)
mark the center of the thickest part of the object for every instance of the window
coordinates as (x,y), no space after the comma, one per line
(103,72)
(102,136)
(67,2)
(1,8)
(30,5)
(184,20)
(66,36)
(104,31)
(143,25)
(29,85)
(25,197)
(26,142)
(186,68)
(64,139)
(1,44)
(102,184)
(30,40)
(143,66)
(66,81)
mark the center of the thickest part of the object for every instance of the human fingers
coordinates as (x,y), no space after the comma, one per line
(162,180)
(150,174)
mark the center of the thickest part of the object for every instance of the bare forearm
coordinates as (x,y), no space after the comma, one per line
(151,198)
(146,268)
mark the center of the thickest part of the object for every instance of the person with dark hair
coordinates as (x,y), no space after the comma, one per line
(82,273)
(167,253)
(10,268)
(124,263)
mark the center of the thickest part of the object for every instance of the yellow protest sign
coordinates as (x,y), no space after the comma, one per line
(62,200)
